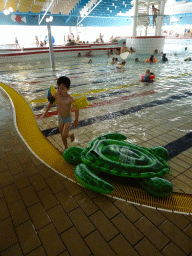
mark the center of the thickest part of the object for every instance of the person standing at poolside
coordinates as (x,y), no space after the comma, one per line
(64,102)
(101,38)
(154,12)
(17,42)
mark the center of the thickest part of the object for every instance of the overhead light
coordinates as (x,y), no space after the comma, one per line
(83,13)
(6,12)
(113,4)
(10,9)
(108,8)
(50,19)
(125,5)
(123,2)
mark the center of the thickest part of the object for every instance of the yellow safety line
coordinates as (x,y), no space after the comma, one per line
(89,92)
(44,150)
(111,88)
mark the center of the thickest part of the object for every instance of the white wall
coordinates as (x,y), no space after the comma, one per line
(146,45)
(26,34)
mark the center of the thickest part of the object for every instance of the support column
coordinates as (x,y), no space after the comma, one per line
(157,20)
(70,32)
(148,19)
(136,2)
(50,46)
(162,9)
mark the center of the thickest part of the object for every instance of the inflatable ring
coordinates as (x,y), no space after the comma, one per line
(110,153)
(151,78)
(154,59)
(50,95)
(187,59)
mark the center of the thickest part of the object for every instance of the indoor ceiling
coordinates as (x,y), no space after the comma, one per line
(91,12)
(107,8)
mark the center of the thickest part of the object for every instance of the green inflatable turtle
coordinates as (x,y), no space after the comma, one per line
(109,153)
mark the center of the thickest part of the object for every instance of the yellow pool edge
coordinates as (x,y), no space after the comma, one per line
(26,125)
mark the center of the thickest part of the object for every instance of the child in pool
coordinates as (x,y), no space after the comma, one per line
(151,59)
(147,76)
(114,60)
(90,61)
(64,101)
(121,65)
(88,53)
(164,58)
(187,59)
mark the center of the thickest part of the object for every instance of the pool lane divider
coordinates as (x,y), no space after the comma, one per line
(28,129)
(103,103)
(87,93)
(123,112)
(89,98)
(107,89)
(76,85)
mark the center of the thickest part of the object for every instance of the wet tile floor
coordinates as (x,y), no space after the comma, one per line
(42,213)
(148,128)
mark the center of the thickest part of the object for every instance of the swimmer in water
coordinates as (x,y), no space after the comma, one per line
(164,58)
(114,60)
(121,65)
(88,53)
(146,78)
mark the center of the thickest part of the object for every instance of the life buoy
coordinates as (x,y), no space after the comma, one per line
(151,78)
(154,59)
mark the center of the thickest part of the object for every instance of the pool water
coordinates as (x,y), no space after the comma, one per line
(152,114)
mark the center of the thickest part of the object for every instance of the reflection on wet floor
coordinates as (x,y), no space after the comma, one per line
(149,115)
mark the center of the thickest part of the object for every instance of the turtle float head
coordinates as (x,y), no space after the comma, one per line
(73,155)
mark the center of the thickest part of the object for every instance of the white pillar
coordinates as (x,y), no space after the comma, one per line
(162,9)
(157,20)
(148,19)
(70,28)
(135,17)
(50,46)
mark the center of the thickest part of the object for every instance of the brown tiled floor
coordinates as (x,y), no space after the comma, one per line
(42,213)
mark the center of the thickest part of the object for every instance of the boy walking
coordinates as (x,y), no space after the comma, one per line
(64,101)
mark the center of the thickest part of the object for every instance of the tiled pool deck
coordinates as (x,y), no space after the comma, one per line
(42,213)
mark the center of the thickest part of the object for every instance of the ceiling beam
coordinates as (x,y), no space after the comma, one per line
(89,12)
(46,11)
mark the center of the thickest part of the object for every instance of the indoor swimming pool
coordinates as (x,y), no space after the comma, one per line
(153,114)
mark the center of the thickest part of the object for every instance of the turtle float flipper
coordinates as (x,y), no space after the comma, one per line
(157,186)
(89,179)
